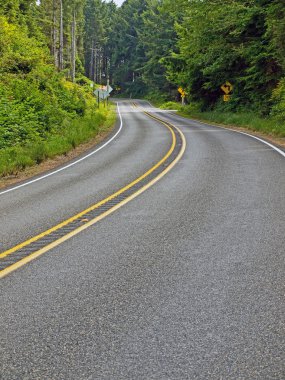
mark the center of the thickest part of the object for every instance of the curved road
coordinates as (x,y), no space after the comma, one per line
(184,282)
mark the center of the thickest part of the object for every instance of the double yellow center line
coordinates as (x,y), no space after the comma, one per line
(7,255)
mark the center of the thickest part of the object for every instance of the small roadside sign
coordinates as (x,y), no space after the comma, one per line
(103,88)
(227,88)
(227,98)
(182,92)
(102,94)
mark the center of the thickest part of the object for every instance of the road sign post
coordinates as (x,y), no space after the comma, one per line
(103,93)
(227,88)
(183,95)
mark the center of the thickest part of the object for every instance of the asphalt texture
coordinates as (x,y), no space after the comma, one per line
(184,282)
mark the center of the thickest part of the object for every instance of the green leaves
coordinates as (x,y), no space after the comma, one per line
(18,52)
(35,100)
(220,41)
(149,46)
(127,54)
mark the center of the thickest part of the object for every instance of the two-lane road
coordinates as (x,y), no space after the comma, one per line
(186,281)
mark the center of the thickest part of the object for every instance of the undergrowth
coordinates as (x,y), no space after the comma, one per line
(72,134)
(250,120)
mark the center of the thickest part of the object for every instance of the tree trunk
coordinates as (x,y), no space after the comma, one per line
(61,37)
(95,64)
(91,65)
(100,65)
(73,47)
(54,35)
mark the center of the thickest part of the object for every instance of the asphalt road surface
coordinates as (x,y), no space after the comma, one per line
(186,281)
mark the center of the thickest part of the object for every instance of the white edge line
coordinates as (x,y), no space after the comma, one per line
(69,165)
(233,130)
(241,133)
(259,139)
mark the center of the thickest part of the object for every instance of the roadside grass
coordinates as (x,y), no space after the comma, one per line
(249,120)
(73,133)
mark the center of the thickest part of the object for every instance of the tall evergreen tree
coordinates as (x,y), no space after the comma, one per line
(158,38)
(128,55)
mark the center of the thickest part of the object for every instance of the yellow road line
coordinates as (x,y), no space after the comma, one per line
(79,215)
(41,251)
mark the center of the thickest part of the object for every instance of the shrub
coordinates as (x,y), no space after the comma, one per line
(278,97)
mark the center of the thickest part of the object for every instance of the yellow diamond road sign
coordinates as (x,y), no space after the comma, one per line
(182,92)
(227,88)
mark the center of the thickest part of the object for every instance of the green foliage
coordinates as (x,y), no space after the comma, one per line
(234,40)
(36,105)
(41,113)
(100,20)
(75,132)
(62,25)
(35,99)
(275,21)
(278,98)
(19,53)
(249,120)
(157,97)
(157,38)
(158,45)
(128,55)
(147,48)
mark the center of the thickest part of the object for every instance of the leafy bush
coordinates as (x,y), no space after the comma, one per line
(251,120)
(73,132)
(35,100)
(278,97)
(41,113)
(18,122)
(18,52)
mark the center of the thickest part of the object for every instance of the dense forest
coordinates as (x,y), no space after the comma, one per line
(159,45)
(52,50)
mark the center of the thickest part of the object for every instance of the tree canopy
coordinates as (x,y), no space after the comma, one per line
(161,45)
(151,46)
